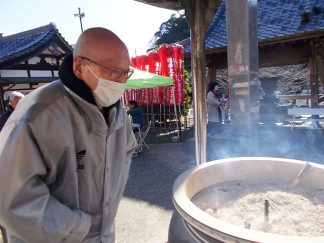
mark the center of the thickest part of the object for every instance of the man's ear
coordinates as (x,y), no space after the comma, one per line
(77,67)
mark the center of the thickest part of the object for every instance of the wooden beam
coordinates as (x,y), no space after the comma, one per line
(269,56)
(37,66)
(284,54)
(218,61)
(294,38)
(168,4)
(26,80)
(43,56)
(14,88)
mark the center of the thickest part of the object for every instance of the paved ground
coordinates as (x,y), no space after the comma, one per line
(146,207)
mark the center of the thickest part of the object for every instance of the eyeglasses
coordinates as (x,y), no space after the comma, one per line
(114,73)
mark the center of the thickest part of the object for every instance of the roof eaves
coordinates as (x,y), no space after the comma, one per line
(66,46)
(36,47)
(44,28)
(297,36)
(26,53)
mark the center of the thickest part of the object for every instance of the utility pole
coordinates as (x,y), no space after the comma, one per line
(80,15)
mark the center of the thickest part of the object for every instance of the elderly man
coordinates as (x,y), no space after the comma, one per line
(66,153)
(14,98)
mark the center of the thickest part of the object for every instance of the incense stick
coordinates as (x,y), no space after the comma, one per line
(266,210)
(302,172)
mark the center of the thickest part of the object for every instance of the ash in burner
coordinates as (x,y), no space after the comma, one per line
(292,211)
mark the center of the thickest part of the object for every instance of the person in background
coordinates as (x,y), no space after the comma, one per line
(65,155)
(214,103)
(136,113)
(14,98)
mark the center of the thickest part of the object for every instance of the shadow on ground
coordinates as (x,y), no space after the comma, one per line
(153,172)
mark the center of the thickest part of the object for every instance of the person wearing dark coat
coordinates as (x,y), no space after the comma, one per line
(136,113)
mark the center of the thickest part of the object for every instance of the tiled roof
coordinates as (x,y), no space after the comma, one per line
(276,19)
(19,47)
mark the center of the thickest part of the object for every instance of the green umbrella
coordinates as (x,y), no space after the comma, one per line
(141,79)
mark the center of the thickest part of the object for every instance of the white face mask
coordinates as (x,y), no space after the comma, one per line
(107,92)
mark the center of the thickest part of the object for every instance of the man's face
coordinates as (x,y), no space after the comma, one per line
(108,71)
(111,65)
(15,101)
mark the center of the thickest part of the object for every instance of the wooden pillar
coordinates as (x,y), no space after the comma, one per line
(2,106)
(242,56)
(320,64)
(4,234)
(319,54)
(199,14)
(212,73)
(320,67)
(314,80)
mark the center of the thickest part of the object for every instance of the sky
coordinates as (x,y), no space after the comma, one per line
(134,22)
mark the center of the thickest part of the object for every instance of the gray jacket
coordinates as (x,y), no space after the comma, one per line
(60,163)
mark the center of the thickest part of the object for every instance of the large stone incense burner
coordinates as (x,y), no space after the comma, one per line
(206,228)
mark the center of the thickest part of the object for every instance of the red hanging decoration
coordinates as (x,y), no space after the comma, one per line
(133,62)
(154,63)
(168,61)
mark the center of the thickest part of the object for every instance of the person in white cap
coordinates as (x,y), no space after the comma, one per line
(14,98)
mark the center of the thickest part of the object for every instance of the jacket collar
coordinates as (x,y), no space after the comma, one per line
(69,79)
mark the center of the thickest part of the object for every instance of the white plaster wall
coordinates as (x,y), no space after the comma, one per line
(35,73)
(13,73)
(50,60)
(33,60)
